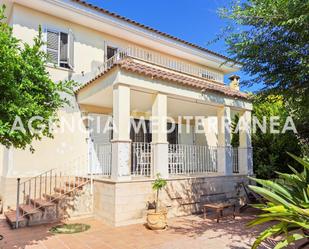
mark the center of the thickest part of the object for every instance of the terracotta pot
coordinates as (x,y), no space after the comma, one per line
(157,220)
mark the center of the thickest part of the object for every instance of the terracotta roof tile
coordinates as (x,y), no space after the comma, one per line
(156,73)
(91,6)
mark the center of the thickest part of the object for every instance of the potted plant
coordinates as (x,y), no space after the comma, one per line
(157,217)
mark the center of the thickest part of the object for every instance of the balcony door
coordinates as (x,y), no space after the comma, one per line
(110,51)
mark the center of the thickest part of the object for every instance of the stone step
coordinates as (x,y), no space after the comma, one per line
(34,214)
(76,184)
(60,190)
(48,208)
(29,209)
(82,180)
(11,219)
(42,203)
(65,190)
(53,197)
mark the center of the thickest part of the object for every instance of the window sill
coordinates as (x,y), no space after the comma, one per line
(60,68)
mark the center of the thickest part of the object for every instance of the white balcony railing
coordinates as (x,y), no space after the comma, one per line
(191,159)
(154,58)
(183,159)
(235,161)
(141,159)
(101,159)
(173,64)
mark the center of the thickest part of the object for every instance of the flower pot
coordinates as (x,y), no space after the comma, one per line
(157,220)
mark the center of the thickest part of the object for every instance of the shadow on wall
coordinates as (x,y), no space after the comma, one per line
(185,197)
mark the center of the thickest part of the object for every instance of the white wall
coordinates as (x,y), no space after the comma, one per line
(89,53)
(67,145)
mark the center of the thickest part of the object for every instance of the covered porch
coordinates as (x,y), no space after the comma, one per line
(130,119)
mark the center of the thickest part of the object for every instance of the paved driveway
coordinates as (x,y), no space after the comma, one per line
(192,232)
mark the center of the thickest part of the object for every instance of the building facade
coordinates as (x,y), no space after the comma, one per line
(132,76)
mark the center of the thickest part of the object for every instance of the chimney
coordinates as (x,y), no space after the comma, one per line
(234,83)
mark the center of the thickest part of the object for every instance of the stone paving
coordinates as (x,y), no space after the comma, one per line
(191,232)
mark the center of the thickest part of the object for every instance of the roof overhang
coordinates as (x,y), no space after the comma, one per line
(99,91)
(83,15)
(137,67)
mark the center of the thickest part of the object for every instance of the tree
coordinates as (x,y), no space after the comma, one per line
(273,45)
(26,89)
(270,149)
(158,185)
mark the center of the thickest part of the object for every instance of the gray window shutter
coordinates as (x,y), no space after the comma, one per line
(63,48)
(105,51)
(52,46)
(71,49)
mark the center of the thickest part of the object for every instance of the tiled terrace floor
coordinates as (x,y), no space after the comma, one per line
(187,232)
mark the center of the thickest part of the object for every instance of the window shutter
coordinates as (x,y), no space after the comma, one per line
(71,49)
(52,46)
(105,51)
(63,48)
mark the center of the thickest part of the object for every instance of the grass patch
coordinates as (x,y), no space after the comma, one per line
(70,228)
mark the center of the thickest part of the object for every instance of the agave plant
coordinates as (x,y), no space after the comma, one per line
(287,204)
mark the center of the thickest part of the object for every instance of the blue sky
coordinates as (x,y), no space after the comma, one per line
(195,21)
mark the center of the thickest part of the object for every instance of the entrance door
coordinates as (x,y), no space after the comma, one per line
(141,135)
(100,126)
(172,135)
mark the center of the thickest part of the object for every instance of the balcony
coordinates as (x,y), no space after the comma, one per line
(183,160)
(155,59)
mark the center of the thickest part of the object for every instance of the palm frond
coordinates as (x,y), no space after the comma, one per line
(288,205)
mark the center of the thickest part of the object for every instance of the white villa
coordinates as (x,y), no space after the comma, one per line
(127,71)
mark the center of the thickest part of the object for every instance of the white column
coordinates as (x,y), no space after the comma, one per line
(159,135)
(245,146)
(211,130)
(225,166)
(121,143)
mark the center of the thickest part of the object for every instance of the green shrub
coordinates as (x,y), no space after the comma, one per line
(287,204)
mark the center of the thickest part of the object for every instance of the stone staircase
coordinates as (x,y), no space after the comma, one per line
(48,198)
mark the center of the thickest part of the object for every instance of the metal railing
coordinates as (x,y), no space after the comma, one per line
(154,58)
(191,159)
(141,159)
(44,185)
(245,159)
(173,64)
(235,161)
(101,159)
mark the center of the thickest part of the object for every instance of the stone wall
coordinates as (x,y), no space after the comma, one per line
(104,201)
(80,204)
(123,203)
